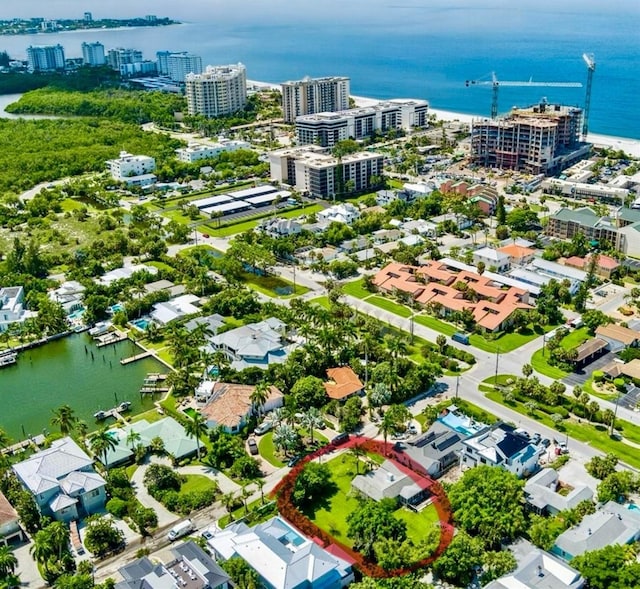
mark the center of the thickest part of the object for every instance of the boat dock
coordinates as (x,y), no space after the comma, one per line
(112,337)
(154,383)
(135,358)
(8,358)
(116,412)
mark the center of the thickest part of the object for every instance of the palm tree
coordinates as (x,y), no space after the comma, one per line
(259,397)
(101,443)
(8,561)
(357,452)
(81,429)
(393,420)
(311,419)
(527,370)
(260,484)
(229,500)
(378,395)
(5,440)
(10,581)
(285,438)
(196,427)
(245,495)
(42,549)
(59,536)
(65,419)
(132,437)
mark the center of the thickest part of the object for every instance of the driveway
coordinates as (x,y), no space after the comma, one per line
(579,378)
(165,517)
(27,568)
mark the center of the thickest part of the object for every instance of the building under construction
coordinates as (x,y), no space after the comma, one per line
(540,139)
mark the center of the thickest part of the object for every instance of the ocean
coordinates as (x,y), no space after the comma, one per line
(401,48)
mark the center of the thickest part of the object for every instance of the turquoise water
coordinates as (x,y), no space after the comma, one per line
(61,372)
(77,314)
(412,49)
(140,324)
(115,308)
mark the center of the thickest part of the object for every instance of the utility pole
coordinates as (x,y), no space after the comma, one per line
(495,380)
(457,385)
(411,322)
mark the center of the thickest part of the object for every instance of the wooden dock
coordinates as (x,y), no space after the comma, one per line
(154,383)
(112,337)
(135,358)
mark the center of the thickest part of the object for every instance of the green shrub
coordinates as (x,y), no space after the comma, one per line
(619,383)
(598,375)
(117,507)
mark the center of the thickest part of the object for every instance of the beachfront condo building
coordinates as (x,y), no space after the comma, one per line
(120,56)
(321,175)
(314,95)
(326,128)
(218,91)
(541,139)
(181,64)
(93,54)
(45,58)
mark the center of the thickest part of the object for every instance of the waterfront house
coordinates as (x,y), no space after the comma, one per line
(69,294)
(188,567)
(12,309)
(62,481)
(502,446)
(229,405)
(10,529)
(253,345)
(282,556)
(178,308)
(611,524)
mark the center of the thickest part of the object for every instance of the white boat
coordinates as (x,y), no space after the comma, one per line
(100,328)
(8,358)
(124,406)
(100,415)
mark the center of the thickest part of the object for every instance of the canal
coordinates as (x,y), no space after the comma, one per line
(71,371)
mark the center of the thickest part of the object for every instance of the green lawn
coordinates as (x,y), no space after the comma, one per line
(322,301)
(177,216)
(417,523)
(539,359)
(437,325)
(356,289)
(268,284)
(197,482)
(268,450)
(390,306)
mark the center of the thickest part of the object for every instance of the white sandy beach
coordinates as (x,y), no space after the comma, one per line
(628,145)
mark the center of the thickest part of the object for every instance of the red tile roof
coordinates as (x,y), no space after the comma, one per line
(343,382)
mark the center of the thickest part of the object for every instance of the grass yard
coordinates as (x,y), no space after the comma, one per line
(271,285)
(417,523)
(435,324)
(572,340)
(268,450)
(322,301)
(390,306)
(178,216)
(356,289)
(197,482)
(160,265)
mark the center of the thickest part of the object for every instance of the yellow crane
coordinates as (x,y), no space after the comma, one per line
(495,85)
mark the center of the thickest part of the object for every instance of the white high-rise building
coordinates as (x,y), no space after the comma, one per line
(313,95)
(93,54)
(181,64)
(162,57)
(120,56)
(45,58)
(220,90)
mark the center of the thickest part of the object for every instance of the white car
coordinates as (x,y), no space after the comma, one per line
(263,428)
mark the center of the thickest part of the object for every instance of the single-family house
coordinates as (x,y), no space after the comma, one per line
(589,351)
(605,266)
(501,445)
(345,213)
(352,245)
(279,227)
(542,494)
(519,255)
(254,345)
(62,481)
(211,323)
(493,259)
(419,227)
(437,450)
(124,273)
(386,235)
(611,524)
(343,383)
(282,556)
(229,405)
(69,294)
(178,308)
(540,570)
(189,567)
(174,438)
(618,337)
(12,309)
(10,529)
(388,481)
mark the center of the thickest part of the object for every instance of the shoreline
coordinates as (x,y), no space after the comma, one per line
(627,144)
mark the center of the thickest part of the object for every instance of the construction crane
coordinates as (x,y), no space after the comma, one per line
(495,85)
(591,67)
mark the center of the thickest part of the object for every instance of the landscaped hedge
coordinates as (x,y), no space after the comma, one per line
(440,501)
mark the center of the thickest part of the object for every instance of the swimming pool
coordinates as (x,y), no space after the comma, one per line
(142,324)
(115,308)
(77,314)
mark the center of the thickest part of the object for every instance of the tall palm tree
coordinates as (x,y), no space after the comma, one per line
(196,427)
(132,437)
(259,397)
(8,561)
(101,443)
(311,419)
(357,451)
(285,438)
(81,429)
(65,419)
(393,420)
(59,536)
(260,484)
(245,495)
(229,500)
(42,549)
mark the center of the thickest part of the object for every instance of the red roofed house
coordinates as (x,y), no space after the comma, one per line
(9,522)
(434,284)
(343,383)
(605,265)
(518,254)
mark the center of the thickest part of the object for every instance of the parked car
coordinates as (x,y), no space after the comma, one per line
(263,428)
(294,461)
(545,443)
(205,235)
(536,438)
(253,446)
(340,439)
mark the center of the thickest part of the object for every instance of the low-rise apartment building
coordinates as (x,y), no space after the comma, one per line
(199,151)
(132,169)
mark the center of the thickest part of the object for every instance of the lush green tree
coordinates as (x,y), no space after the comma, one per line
(373,520)
(159,478)
(350,414)
(594,318)
(601,467)
(102,535)
(312,484)
(310,420)
(612,567)
(617,486)
(309,391)
(497,564)
(101,442)
(488,502)
(501,214)
(8,561)
(411,581)
(521,220)
(459,562)
(285,438)
(394,420)
(241,573)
